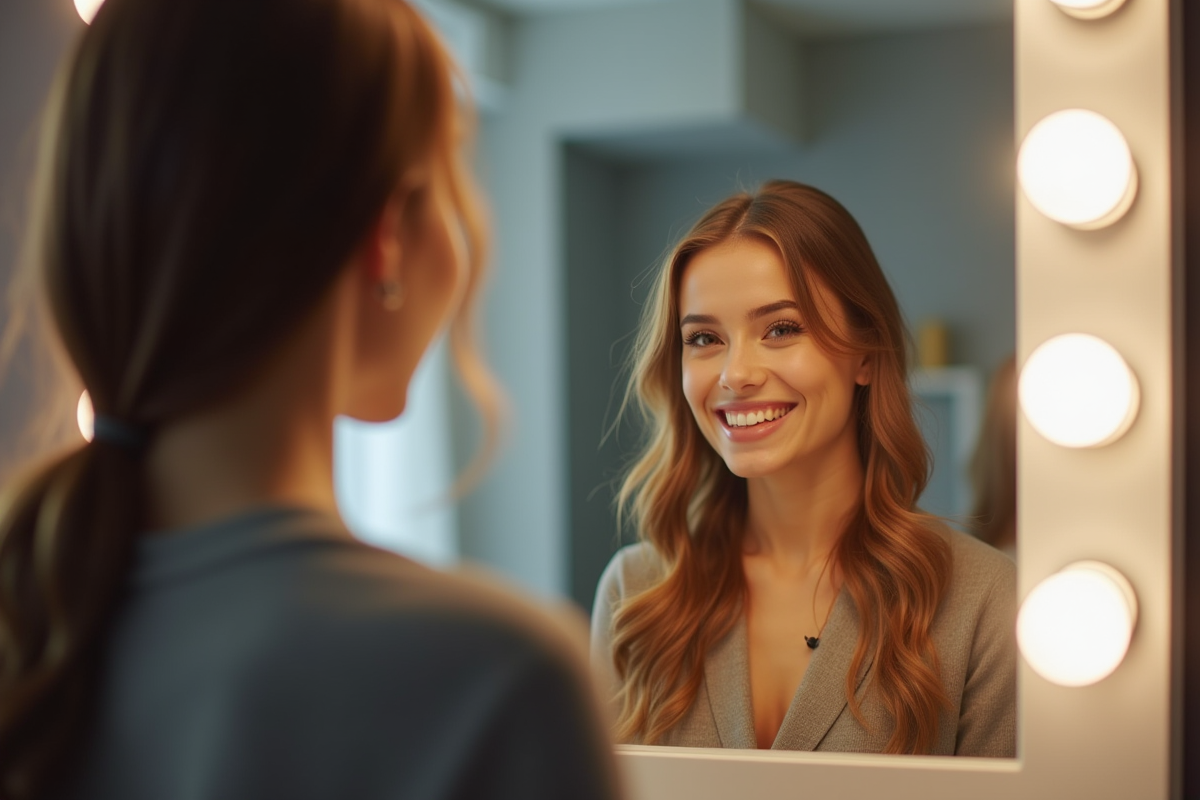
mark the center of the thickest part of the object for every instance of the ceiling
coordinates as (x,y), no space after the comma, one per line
(818,16)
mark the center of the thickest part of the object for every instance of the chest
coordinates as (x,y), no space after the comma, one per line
(778,618)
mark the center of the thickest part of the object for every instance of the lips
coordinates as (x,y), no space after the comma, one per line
(749,423)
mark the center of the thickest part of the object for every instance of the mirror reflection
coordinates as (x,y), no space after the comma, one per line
(707,645)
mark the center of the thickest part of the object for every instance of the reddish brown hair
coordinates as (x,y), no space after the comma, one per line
(692,509)
(209,167)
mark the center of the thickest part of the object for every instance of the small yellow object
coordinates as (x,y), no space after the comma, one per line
(932,344)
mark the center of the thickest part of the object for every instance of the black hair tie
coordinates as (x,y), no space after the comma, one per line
(122,434)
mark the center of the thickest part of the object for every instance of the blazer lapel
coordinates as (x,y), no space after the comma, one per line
(727,671)
(822,693)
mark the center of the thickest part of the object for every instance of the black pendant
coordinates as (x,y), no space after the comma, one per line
(812,642)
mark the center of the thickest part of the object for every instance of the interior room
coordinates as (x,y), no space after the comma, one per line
(605,128)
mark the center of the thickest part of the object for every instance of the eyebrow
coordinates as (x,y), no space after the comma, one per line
(753,314)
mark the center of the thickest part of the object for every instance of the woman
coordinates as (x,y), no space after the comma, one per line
(253,217)
(787,592)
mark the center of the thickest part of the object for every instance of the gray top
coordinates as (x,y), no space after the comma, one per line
(274,655)
(974,632)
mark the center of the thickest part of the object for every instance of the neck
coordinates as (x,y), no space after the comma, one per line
(270,443)
(796,516)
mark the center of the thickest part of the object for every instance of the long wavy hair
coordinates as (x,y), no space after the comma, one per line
(686,503)
(208,168)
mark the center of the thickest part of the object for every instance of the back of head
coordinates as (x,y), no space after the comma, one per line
(209,166)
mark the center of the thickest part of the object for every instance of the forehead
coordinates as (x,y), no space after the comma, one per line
(738,275)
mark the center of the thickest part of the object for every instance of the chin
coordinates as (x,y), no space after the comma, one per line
(751,467)
(377,411)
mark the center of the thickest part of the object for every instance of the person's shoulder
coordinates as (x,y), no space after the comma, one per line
(633,569)
(978,569)
(334,591)
(973,556)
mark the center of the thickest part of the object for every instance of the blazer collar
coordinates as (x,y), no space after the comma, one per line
(818,701)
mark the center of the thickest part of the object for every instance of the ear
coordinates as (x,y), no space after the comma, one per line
(381,249)
(864,374)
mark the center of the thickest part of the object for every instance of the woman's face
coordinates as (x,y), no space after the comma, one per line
(766,396)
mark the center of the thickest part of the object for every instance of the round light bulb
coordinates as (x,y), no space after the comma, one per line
(87,9)
(1076,168)
(1089,9)
(1077,391)
(1074,628)
(85,417)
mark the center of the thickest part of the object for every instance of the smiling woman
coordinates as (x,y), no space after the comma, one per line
(787,592)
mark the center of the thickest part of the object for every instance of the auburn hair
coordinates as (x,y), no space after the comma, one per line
(692,510)
(208,168)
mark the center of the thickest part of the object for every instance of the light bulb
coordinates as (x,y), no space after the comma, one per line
(1074,628)
(1077,391)
(87,9)
(1089,9)
(1075,167)
(85,417)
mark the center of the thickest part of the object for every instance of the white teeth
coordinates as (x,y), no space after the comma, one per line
(753,418)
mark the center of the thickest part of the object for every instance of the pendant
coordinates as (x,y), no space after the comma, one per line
(812,642)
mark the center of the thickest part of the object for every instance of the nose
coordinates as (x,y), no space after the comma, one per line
(742,369)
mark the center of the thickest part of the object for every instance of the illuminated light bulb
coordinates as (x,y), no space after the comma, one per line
(85,417)
(1089,9)
(1074,628)
(87,9)
(1077,391)
(1075,167)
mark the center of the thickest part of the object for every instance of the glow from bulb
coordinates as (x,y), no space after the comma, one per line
(1077,391)
(87,9)
(85,417)
(1089,9)
(1074,628)
(1075,167)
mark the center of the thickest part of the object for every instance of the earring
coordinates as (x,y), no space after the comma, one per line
(391,296)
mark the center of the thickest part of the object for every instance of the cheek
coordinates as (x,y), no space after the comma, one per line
(697,383)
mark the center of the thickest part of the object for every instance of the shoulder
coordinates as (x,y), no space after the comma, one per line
(632,570)
(982,590)
(364,597)
(978,568)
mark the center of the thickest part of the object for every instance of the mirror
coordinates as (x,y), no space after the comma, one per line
(1110,740)
(911,130)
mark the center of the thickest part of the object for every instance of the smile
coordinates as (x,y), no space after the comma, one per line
(736,419)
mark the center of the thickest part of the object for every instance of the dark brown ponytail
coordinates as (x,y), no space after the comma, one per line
(209,167)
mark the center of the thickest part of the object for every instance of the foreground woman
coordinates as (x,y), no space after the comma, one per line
(253,217)
(788,593)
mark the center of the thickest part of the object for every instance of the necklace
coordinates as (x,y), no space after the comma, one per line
(813,641)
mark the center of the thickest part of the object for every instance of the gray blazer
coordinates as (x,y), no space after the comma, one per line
(974,632)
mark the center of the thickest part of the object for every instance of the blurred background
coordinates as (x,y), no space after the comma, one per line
(606,128)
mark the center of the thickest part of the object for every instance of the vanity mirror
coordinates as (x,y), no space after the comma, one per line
(1110,504)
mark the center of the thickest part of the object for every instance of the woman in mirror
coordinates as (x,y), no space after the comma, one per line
(787,591)
(253,216)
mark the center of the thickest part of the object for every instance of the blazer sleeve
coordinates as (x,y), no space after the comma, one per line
(610,593)
(987,716)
